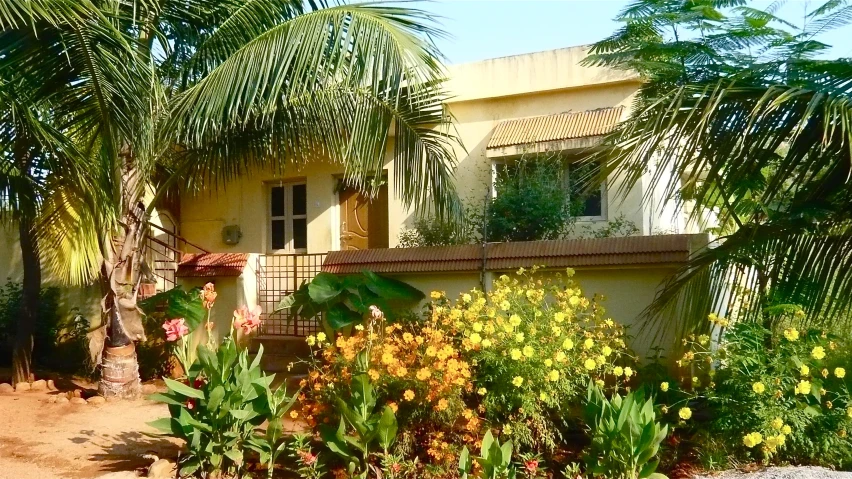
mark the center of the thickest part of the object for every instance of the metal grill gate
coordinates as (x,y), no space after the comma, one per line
(277,276)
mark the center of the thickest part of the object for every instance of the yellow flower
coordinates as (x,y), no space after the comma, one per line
(436,295)
(466,298)
(294,414)
(804,387)
(752,439)
(548,362)
(519,338)
(560,356)
(804,370)
(791,334)
(618,371)
(374,375)
(408,395)
(777,423)
(359,327)
(840,373)
(849,411)
(664,386)
(393,406)
(518,381)
(475,338)
(590,364)
(407,337)
(507,429)
(516,354)
(685,413)
(543,396)
(758,387)
(482,391)
(311,340)
(553,375)
(514,319)
(486,343)
(818,352)
(477,326)
(431,351)
(442,405)
(559,317)
(824,372)
(785,429)
(606,350)
(423,374)
(573,300)
(588,343)
(321,337)
(528,351)
(628,371)
(504,305)
(568,344)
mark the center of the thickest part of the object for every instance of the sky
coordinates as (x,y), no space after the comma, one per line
(483,29)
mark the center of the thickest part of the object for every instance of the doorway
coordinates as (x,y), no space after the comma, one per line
(363,222)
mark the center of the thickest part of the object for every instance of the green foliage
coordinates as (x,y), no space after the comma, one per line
(373,430)
(218,407)
(776,397)
(308,465)
(430,230)
(495,460)
(59,344)
(343,301)
(625,435)
(618,227)
(533,202)
(271,443)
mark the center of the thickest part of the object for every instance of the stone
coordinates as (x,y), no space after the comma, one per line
(39,385)
(21,387)
(76,400)
(51,386)
(96,400)
(78,393)
(148,389)
(50,399)
(162,469)
(6,388)
(61,400)
(119,475)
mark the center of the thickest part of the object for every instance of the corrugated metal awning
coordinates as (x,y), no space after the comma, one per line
(603,252)
(206,265)
(564,126)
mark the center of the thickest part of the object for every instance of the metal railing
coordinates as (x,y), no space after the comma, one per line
(163,251)
(279,275)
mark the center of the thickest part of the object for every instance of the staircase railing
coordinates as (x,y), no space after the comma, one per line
(163,252)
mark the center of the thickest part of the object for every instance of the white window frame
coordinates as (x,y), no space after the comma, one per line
(288,217)
(587,219)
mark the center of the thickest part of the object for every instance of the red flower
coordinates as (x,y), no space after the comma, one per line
(308,458)
(175,329)
(531,466)
(208,295)
(190,404)
(248,319)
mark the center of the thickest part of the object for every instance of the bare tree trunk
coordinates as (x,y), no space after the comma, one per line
(23,352)
(120,278)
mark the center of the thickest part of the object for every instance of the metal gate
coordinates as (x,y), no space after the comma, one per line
(279,275)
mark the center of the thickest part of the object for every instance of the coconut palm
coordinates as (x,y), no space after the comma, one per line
(194,92)
(757,130)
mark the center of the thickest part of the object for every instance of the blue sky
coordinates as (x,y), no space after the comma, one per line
(483,29)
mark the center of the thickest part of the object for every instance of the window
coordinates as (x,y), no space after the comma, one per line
(288,215)
(576,178)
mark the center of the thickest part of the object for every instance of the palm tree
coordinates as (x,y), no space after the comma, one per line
(199,91)
(756,129)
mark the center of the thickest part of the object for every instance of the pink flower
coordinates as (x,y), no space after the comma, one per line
(208,295)
(531,466)
(247,319)
(175,329)
(376,313)
(308,458)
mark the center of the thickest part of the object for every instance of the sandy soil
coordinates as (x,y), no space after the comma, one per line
(39,440)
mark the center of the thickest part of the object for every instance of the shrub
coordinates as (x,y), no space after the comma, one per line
(429,230)
(625,435)
(774,397)
(536,342)
(533,202)
(618,227)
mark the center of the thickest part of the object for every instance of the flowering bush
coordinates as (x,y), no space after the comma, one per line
(774,396)
(536,342)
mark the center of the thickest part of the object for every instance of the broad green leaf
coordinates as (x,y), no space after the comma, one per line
(167,425)
(387,429)
(324,287)
(183,389)
(339,316)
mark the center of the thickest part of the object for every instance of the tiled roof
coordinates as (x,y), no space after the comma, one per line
(633,250)
(563,126)
(212,264)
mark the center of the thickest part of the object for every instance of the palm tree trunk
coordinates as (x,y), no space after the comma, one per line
(120,278)
(23,352)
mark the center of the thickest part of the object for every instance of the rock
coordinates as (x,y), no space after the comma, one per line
(50,399)
(77,400)
(149,389)
(39,385)
(119,475)
(96,400)
(78,393)
(50,385)
(21,387)
(6,388)
(162,469)
(61,400)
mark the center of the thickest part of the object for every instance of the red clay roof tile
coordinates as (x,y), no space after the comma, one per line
(212,264)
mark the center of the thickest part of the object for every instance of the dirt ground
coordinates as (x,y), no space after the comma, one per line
(40,440)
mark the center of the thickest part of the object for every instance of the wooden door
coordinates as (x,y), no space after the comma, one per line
(363,223)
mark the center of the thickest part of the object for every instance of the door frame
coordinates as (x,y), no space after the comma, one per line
(335,209)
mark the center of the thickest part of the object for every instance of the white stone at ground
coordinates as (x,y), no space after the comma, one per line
(799,472)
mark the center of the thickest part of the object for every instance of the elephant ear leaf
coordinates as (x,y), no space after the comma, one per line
(392,290)
(335,440)
(387,428)
(324,288)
